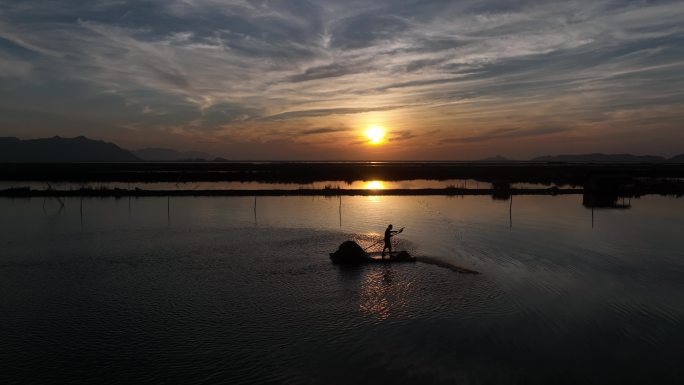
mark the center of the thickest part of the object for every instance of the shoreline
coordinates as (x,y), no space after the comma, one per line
(596,182)
(304,173)
(117,192)
(500,194)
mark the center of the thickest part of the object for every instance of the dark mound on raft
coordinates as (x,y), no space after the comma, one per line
(351,253)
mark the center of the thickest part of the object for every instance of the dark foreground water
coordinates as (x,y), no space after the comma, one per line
(223,290)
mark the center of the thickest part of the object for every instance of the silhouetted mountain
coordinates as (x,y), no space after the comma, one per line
(497,158)
(601,158)
(168,155)
(56,149)
(677,159)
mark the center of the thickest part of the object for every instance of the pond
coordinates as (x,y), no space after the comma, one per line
(241,290)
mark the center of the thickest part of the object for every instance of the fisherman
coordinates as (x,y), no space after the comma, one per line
(389,233)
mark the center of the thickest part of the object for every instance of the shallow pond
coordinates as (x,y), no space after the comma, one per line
(241,290)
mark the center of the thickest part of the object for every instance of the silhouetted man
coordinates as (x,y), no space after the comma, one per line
(389,233)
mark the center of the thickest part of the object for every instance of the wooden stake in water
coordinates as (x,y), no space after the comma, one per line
(510,213)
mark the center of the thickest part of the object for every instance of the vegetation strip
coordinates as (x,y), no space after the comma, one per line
(106,192)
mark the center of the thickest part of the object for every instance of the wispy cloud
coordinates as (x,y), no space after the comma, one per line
(460,67)
(328,111)
(322,130)
(399,136)
(506,133)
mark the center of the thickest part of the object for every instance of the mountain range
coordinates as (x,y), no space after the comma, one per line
(82,149)
(604,158)
(56,149)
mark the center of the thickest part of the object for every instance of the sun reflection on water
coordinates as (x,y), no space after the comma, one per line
(383,292)
(375,300)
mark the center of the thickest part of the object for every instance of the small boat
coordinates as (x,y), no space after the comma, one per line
(350,253)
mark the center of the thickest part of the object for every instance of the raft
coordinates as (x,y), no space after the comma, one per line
(350,253)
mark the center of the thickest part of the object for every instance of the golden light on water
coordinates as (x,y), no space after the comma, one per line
(375,134)
(374,295)
(382,295)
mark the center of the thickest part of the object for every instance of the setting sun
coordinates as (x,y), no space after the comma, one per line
(375,185)
(375,134)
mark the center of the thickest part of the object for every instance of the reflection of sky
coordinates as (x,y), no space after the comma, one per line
(551,239)
(551,260)
(303,80)
(554,299)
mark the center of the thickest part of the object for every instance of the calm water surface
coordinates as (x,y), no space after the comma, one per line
(233,290)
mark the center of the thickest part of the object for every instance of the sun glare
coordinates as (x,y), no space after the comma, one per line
(375,134)
(374,185)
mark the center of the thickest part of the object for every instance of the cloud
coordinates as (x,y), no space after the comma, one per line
(322,130)
(15,69)
(322,72)
(419,65)
(398,136)
(329,111)
(506,133)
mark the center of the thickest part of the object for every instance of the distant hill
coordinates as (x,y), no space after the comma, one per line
(497,158)
(57,149)
(169,155)
(677,159)
(601,158)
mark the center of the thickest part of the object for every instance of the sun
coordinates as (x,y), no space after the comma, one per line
(375,134)
(375,185)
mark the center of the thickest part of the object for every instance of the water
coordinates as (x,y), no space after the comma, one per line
(237,290)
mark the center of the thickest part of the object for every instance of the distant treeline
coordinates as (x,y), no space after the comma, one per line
(510,172)
(82,149)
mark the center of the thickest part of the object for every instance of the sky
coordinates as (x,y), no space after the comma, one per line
(303,80)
